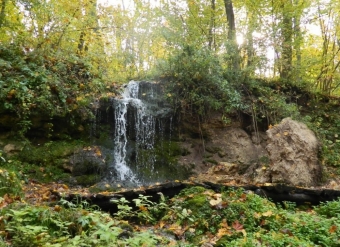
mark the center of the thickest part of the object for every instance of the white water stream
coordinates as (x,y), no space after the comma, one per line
(144,131)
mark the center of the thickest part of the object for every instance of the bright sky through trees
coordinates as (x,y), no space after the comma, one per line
(287,39)
(265,25)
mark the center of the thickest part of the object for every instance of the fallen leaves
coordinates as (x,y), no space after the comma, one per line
(223,231)
(8,199)
(287,232)
(217,200)
(95,149)
(333,229)
(38,193)
(268,213)
(177,229)
(57,208)
(161,224)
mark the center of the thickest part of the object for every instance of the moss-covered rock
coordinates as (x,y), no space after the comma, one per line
(88,180)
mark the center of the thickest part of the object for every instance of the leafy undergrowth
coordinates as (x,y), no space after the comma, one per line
(196,217)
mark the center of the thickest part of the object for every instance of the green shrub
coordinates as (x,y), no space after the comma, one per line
(329,209)
(33,84)
(239,218)
(9,183)
(268,102)
(68,225)
(195,83)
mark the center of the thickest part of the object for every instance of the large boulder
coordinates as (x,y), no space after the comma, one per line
(293,155)
(88,166)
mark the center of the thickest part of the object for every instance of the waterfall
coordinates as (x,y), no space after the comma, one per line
(120,142)
(135,133)
(142,133)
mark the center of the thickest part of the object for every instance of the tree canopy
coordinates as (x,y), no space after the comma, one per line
(292,40)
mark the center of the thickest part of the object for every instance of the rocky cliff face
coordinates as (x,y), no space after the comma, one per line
(286,153)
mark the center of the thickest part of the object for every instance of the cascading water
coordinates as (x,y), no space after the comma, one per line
(134,133)
(120,141)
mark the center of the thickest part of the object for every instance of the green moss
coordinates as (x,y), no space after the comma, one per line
(48,153)
(88,180)
(192,190)
(264,160)
(164,159)
(221,154)
(207,155)
(126,227)
(104,135)
(43,162)
(196,203)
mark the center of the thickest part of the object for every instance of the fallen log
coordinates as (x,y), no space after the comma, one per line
(274,192)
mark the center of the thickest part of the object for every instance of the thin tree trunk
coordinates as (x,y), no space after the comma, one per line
(2,12)
(287,50)
(91,16)
(229,9)
(233,49)
(212,25)
(297,41)
(250,40)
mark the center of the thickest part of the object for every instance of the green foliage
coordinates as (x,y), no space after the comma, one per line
(245,219)
(329,209)
(269,101)
(9,183)
(233,217)
(324,120)
(196,83)
(32,84)
(43,162)
(124,210)
(145,210)
(69,225)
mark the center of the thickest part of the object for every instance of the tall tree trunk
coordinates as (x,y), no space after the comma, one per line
(90,16)
(229,9)
(233,48)
(212,25)
(287,34)
(250,40)
(3,12)
(81,44)
(297,41)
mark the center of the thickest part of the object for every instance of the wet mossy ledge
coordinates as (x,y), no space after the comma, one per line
(44,162)
(80,163)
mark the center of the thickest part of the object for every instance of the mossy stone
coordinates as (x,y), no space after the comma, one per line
(87,180)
